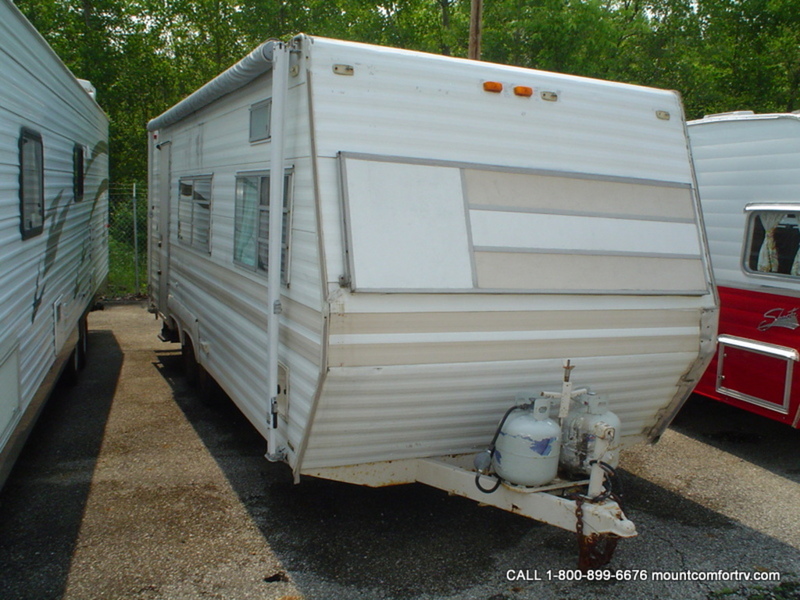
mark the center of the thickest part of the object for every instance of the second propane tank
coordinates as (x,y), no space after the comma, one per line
(527,449)
(588,419)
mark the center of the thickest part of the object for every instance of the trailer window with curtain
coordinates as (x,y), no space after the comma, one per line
(251,223)
(31,183)
(194,212)
(773,238)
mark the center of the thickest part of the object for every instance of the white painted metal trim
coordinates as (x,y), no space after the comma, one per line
(781,206)
(454,475)
(514,170)
(600,518)
(761,347)
(280,77)
(323,358)
(789,355)
(575,213)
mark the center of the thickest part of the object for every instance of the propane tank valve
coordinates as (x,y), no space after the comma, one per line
(567,394)
(483,461)
(590,433)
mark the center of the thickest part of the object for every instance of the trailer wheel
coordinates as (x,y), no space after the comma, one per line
(196,375)
(207,388)
(77,358)
(69,375)
(82,347)
(191,367)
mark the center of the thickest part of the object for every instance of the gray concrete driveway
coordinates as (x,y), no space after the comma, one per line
(132,486)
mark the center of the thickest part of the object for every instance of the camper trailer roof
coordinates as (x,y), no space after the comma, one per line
(45,47)
(744,115)
(259,61)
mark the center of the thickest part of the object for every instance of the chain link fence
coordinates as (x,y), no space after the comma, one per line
(127,241)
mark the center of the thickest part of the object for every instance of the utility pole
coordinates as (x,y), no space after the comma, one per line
(475,30)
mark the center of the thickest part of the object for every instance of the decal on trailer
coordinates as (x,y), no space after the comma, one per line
(778,317)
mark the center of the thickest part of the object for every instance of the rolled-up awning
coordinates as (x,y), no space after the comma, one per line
(258,62)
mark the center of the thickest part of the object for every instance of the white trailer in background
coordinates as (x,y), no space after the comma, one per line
(53,239)
(748,172)
(442,234)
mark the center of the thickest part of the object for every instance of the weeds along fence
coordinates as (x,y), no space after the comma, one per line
(127,240)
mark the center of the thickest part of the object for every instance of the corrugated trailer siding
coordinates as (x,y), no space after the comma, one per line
(586,130)
(760,166)
(229,300)
(414,375)
(456,391)
(397,104)
(387,413)
(68,260)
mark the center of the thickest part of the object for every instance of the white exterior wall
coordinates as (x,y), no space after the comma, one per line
(744,159)
(65,264)
(401,373)
(415,375)
(222,305)
(399,104)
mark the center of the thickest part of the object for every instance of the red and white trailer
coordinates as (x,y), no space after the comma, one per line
(748,172)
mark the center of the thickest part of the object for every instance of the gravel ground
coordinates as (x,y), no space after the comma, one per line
(133,487)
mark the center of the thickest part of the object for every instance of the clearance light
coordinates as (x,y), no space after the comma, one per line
(523,90)
(493,86)
(550,96)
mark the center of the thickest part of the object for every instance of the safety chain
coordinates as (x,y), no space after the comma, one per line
(594,550)
(579,516)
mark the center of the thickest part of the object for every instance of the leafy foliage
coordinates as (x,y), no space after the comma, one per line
(145,55)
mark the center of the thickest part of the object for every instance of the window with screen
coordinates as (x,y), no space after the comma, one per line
(194,212)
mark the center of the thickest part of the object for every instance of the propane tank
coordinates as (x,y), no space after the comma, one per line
(589,429)
(527,448)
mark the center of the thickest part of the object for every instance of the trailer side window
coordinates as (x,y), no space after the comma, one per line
(194,211)
(31,183)
(78,174)
(773,243)
(251,223)
(259,120)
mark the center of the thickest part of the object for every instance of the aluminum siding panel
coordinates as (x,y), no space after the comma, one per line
(68,261)
(372,414)
(429,389)
(227,301)
(432,383)
(407,104)
(740,161)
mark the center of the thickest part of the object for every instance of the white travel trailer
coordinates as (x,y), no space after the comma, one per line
(748,173)
(443,234)
(53,245)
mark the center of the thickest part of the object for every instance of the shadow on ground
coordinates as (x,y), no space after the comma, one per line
(764,442)
(400,539)
(42,503)
(406,541)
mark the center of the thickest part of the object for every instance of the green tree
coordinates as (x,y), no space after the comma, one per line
(145,55)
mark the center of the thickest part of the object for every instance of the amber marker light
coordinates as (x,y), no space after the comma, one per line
(523,90)
(493,86)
